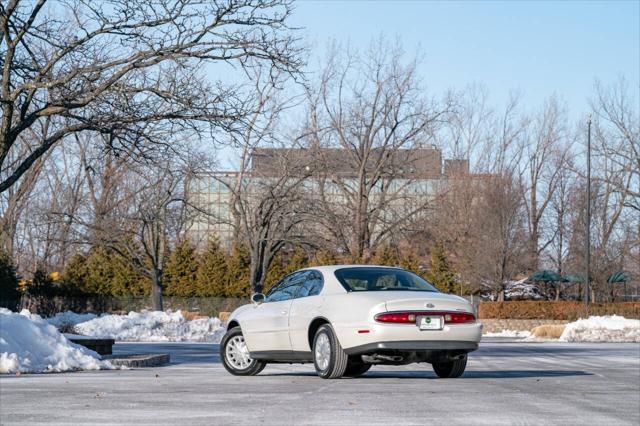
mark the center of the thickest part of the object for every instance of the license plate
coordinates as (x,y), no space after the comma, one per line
(430,323)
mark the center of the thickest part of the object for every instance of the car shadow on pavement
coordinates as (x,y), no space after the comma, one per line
(491,374)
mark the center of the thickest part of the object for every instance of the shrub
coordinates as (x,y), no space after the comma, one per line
(9,293)
(548,331)
(560,310)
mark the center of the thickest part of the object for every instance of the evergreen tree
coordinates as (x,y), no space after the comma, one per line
(127,281)
(8,280)
(440,273)
(238,272)
(297,260)
(179,277)
(99,272)
(211,277)
(274,274)
(409,261)
(41,284)
(105,272)
(325,257)
(386,255)
(75,275)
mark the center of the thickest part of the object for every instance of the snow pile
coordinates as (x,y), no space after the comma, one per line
(28,344)
(509,333)
(66,320)
(153,326)
(610,328)
(516,290)
(522,290)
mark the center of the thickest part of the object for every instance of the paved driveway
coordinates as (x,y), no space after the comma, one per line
(505,383)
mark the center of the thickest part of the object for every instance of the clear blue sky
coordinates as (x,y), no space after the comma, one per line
(538,47)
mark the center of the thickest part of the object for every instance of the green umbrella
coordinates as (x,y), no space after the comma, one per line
(573,278)
(618,277)
(546,275)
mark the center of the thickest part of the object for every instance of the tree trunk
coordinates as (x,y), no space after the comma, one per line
(256,276)
(156,290)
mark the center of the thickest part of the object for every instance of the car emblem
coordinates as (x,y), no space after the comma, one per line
(429,305)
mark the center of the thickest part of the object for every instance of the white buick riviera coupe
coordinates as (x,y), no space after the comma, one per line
(347,318)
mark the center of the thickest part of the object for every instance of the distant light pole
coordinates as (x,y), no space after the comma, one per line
(587,256)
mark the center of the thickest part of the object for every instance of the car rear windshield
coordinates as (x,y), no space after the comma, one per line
(381,279)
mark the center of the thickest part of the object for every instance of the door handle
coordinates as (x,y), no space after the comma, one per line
(283,312)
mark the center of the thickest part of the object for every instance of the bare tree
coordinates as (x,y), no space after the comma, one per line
(148,221)
(369,127)
(266,195)
(488,239)
(561,217)
(618,137)
(113,67)
(545,151)
(13,204)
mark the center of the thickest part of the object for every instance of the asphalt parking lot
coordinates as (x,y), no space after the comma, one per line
(505,383)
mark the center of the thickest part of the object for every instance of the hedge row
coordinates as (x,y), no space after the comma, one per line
(554,310)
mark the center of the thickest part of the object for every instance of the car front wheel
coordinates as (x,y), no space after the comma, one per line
(328,357)
(450,369)
(235,355)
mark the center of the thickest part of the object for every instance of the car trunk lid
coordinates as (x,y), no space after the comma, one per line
(422,301)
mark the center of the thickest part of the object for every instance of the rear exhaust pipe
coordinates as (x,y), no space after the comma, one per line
(377,358)
(457,357)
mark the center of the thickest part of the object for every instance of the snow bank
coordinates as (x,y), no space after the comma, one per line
(516,290)
(68,319)
(509,333)
(28,344)
(610,328)
(153,326)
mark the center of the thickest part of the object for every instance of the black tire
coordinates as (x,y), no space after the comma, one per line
(255,365)
(338,360)
(450,369)
(356,368)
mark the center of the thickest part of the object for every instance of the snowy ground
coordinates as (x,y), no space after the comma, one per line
(505,384)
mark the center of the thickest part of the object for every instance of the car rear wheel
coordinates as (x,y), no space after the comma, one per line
(450,369)
(356,368)
(328,357)
(235,355)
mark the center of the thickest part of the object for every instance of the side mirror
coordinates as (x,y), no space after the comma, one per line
(257,298)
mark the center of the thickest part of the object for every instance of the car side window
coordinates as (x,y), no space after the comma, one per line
(285,289)
(312,285)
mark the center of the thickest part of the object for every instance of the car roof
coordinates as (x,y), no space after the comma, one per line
(332,268)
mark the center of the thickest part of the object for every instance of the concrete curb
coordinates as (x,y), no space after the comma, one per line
(138,360)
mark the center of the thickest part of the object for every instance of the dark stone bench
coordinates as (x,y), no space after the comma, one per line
(101,346)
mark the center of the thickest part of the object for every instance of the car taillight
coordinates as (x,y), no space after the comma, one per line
(410,317)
